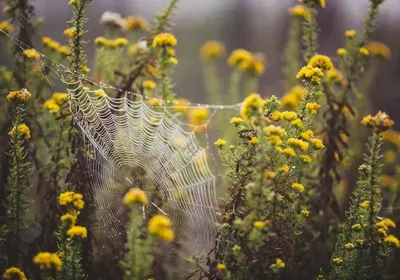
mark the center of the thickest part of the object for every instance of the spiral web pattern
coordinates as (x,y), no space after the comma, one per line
(123,135)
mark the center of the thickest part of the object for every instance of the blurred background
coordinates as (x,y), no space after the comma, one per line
(256,25)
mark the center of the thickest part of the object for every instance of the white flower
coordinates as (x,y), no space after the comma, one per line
(113,18)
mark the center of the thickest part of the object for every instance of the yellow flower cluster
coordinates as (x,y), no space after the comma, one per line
(247,62)
(310,73)
(239,56)
(380,122)
(351,33)
(6,27)
(334,75)
(148,84)
(284,168)
(77,231)
(297,123)
(299,11)
(365,204)
(164,40)
(289,115)
(198,116)
(378,49)
(274,130)
(22,129)
(48,260)
(289,152)
(212,50)
(76,199)
(57,99)
(298,143)
(279,263)
(392,240)
(349,246)
(236,121)
(306,135)
(341,52)
(160,226)
(14,273)
(298,187)
(385,225)
(320,3)
(136,23)
(313,107)
(292,99)
(322,62)
(220,143)
(32,54)
(364,51)
(50,43)
(260,224)
(181,105)
(134,196)
(21,95)
(317,143)
(252,105)
(337,261)
(71,33)
(305,158)
(68,219)
(119,42)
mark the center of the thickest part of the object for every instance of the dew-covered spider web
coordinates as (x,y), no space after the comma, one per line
(130,143)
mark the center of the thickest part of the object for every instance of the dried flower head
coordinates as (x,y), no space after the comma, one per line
(379,123)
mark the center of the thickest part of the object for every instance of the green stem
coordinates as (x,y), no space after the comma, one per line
(234,91)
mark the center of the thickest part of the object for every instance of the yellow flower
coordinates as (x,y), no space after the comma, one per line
(239,56)
(392,240)
(68,218)
(134,196)
(72,2)
(299,11)
(284,168)
(305,158)
(254,140)
(198,116)
(101,41)
(350,33)
(160,226)
(252,105)
(289,152)
(31,53)
(275,139)
(99,93)
(276,116)
(378,49)
(148,84)
(164,39)
(64,50)
(6,27)
(380,122)
(310,73)
(292,99)
(47,260)
(70,33)
(334,75)
(121,42)
(298,187)
(76,199)
(173,60)
(14,273)
(341,52)
(349,246)
(297,123)
(337,261)
(317,143)
(181,105)
(306,135)
(356,226)
(221,267)
(313,107)
(236,121)
(259,224)
(21,95)
(289,115)
(270,175)
(364,204)
(136,23)
(364,51)
(59,97)
(51,105)
(305,213)
(298,143)
(274,130)
(212,50)
(322,62)
(220,143)
(77,231)
(255,65)
(279,263)
(22,129)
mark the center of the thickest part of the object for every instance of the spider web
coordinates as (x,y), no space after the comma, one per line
(126,139)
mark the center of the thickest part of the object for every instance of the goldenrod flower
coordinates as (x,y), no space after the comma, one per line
(64,50)
(392,240)
(255,65)
(349,246)
(350,33)
(389,223)
(51,105)
(297,123)
(6,27)
(22,129)
(198,116)
(334,75)
(252,105)
(378,49)
(380,122)
(365,204)
(274,130)
(284,168)
(299,11)
(32,54)
(337,261)
(276,116)
(220,143)
(289,152)
(21,95)
(364,51)
(341,52)
(254,140)
(275,139)
(68,219)
(181,105)
(259,224)
(100,93)
(136,23)
(292,99)
(160,226)
(173,60)
(269,175)
(48,260)
(77,231)
(322,62)
(101,41)
(134,196)
(121,42)
(310,73)
(148,84)
(306,135)
(305,213)
(236,121)
(212,50)
(317,143)
(239,56)
(298,187)
(305,158)
(72,2)
(70,33)
(59,97)
(279,263)
(14,273)
(298,143)
(221,267)
(164,39)
(76,199)
(289,115)
(313,107)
